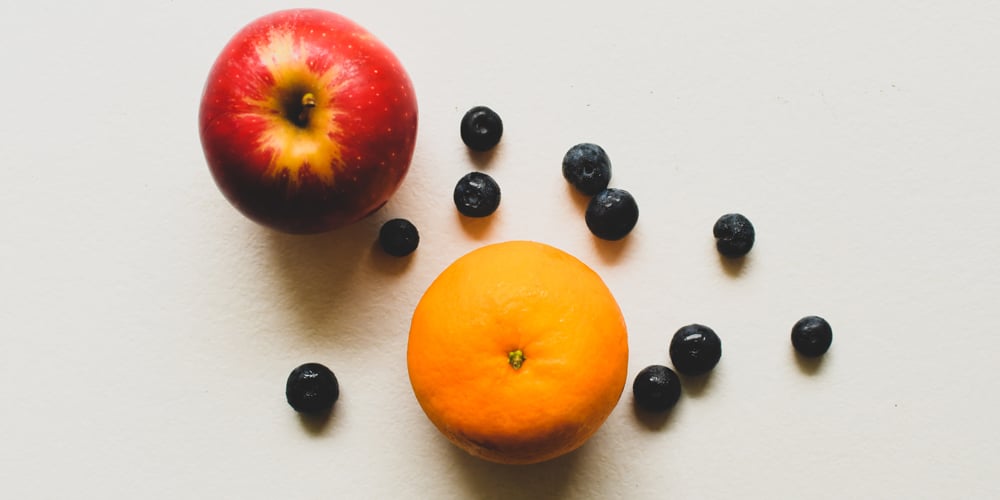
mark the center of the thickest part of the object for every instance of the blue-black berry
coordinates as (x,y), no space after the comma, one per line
(656,388)
(481,128)
(398,237)
(477,195)
(734,235)
(812,336)
(587,167)
(611,214)
(312,388)
(695,349)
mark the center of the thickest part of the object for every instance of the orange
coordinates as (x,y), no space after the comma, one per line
(518,352)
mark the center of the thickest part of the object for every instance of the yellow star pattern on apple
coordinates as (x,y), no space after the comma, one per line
(293,146)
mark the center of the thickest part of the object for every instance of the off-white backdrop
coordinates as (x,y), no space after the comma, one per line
(146,328)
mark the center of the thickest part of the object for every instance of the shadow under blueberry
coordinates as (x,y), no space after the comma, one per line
(483,479)
(611,252)
(317,424)
(807,365)
(696,385)
(483,159)
(659,421)
(733,266)
(477,227)
(579,199)
(389,264)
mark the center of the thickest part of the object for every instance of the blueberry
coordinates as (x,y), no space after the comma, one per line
(611,214)
(812,336)
(587,167)
(398,237)
(312,388)
(695,349)
(477,195)
(734,235)
(481,128)
(656,388)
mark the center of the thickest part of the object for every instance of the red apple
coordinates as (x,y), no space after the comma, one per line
(308,121)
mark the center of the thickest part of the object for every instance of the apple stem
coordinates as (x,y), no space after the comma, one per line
(308,103)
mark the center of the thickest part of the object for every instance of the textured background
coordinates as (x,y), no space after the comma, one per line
(147,329)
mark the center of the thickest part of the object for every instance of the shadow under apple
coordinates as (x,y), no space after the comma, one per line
(322,274)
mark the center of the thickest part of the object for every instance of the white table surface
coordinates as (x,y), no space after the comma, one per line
(148,328)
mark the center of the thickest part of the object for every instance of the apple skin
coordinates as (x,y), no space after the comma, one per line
(308,122)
